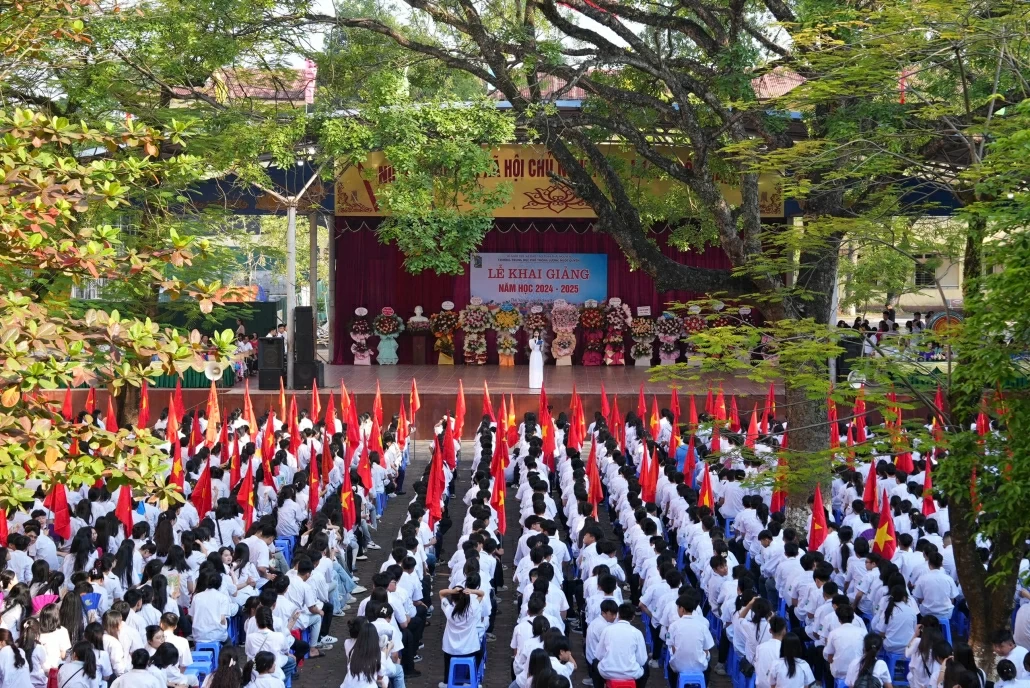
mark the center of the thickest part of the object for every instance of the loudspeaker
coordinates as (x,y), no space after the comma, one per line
(852,346)
(304,372)
(303,334)
(271,353)
(269,378)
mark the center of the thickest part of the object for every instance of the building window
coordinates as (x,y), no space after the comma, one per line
(926,275)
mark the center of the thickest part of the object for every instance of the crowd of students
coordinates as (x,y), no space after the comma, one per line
(659,550)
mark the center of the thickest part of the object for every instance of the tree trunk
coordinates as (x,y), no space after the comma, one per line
(989,592)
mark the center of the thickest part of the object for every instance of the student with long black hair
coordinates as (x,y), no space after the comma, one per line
(365,663)
(139,676)
(461,607)
(14,669)
(791,671)
(868,665)
(81,671)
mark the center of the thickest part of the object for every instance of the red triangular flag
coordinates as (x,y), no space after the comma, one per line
(123,512)
(313,485)
(674,404)
(641,404)
(245,497)
(817,535)
(488,407)
(751,438)
(91,401)
(110,419)
(435,488)
(180,408)
(377,405)
(67,412)
(689,464)
(459,413)
(735,425)
(365,468)
(414,402)
(605,409)
(347,506)
(201,496)
(316,405)
(292,426)
(720,405)
(692,415)
(234,462)
(870,492)
(213,417)
(929,507)
(143,420)
(57,502)
(655,420)
(594,491)
(283,409)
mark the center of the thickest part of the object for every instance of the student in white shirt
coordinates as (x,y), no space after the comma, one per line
(14,666)
(461,607)
(622,651)
(869,664)
(790,671)
(81,669)
(935,591)
(1006,648)
(690,640)
(1009,675)
(896,620)
(138,676)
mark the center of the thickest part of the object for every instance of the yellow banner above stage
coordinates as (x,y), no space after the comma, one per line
(534,193)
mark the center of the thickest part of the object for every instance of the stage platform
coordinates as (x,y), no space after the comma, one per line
(438,385)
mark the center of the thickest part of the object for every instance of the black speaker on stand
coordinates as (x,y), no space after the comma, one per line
(303,334)
(271,361)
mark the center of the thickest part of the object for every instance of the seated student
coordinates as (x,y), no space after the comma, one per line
(769,651)
(1009,676)
(265,670)
(1005,648)
(690,640)
(166,658)
(869,664)
(138,676)
(622,650)
(560,651)
(609,613)
(526,644)
(80,669)
(844,643)
(791,671)
(461,607)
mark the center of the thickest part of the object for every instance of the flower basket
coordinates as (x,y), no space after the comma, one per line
(563,346)
(507,318)
(564,318)
(475,348)
(419,327)
(442,325)
(387,325)
(592,318)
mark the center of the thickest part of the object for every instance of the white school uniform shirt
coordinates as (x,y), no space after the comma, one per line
(690,641)
(765,657)
(802,675)
(845,644)
(459,636)
(622,652)
(935,593)
(10,676)
(207,611)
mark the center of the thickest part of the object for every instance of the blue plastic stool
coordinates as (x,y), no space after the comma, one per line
(896,663)
(203,663)
(467,666)
(214,648)
(691,679)
(729,528)
(946,627)
(285,545)
(839,683)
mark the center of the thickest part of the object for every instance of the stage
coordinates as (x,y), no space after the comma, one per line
(438,385)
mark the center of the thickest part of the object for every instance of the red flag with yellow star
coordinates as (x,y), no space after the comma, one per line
(414,402)
(283,409)
(245,497)
(817,535)
(365,468)
(402,427)
(705,496)
(437,485)
(497,493)
(720,405)
(313,485)
(513,423)
(735,425)
(885,542)
(347,506)
(751,438)
(655,420)
(234,462)
(605,409)
(641,404)
(110,419)
(870,492)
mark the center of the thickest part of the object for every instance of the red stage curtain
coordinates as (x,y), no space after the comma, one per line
(371,274)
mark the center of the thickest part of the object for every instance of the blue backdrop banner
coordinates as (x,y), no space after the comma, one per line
(539,277)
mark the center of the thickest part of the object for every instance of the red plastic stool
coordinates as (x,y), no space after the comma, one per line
(620,683)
